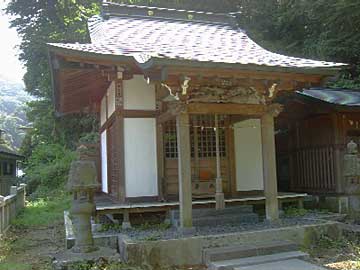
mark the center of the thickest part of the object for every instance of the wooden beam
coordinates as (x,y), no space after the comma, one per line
(226,108)
(139,113)
(226,73)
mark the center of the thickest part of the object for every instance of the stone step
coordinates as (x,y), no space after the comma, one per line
(293,264)
(247,250)
(237,218)
(256,260)
(204,212)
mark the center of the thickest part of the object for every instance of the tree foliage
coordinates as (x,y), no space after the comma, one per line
(47,169)
(39,22)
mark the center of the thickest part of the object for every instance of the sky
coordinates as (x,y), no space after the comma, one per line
(10,67)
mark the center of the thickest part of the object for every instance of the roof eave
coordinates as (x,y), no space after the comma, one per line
(12,155)
(335,106)
(157,61)
(322,71)
(92,55)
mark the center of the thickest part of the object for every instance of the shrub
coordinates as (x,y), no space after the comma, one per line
(43,212)
(295,212)
(47,169)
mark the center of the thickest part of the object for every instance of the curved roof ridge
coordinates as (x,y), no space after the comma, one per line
(113,8)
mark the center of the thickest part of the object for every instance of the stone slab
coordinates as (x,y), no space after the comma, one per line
(247,250)
(293,264)
(255,260)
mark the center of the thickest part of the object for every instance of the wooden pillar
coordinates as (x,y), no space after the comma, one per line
(339,186)
(219,195)
(160,159)
(269,162)
(196,149)
(184,159)
(119,140)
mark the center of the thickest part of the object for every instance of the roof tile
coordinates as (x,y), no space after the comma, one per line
(185,40)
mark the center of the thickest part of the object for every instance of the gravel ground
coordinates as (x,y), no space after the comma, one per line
(162,232)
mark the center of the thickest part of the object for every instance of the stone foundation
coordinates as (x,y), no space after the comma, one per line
(188,251)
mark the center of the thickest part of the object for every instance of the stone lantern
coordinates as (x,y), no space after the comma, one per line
(82,183)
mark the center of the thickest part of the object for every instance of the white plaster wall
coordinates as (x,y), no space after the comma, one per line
(104,174)
(103,111)
(111,99)
(138,95)
(248,155)
(140,157)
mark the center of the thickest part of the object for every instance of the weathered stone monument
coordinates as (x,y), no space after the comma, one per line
(82,183)
(352,176)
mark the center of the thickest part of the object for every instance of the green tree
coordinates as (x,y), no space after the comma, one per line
(39,22)
(322,29)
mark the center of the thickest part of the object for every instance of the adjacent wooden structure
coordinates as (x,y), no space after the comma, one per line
(182,119)
(8,167)
(316,126)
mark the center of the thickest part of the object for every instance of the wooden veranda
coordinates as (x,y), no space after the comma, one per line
(107,205)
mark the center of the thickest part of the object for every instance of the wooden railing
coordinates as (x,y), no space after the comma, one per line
(10,206)
(313,169)
(5,183)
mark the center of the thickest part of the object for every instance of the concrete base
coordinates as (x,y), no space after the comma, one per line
(338,204)
(126,225)
(65,260)
(220,200)
(186,231)
(102,239)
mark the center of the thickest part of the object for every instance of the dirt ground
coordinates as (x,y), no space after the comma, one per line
(31,248)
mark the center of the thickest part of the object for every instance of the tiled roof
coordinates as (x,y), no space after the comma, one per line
(146,37)
(343,97)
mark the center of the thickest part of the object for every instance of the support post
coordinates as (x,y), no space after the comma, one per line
(219,195)
(13,190)
(269,162)
(119,139)
(126,220)
(160,160)
(339,185)
(184,159)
